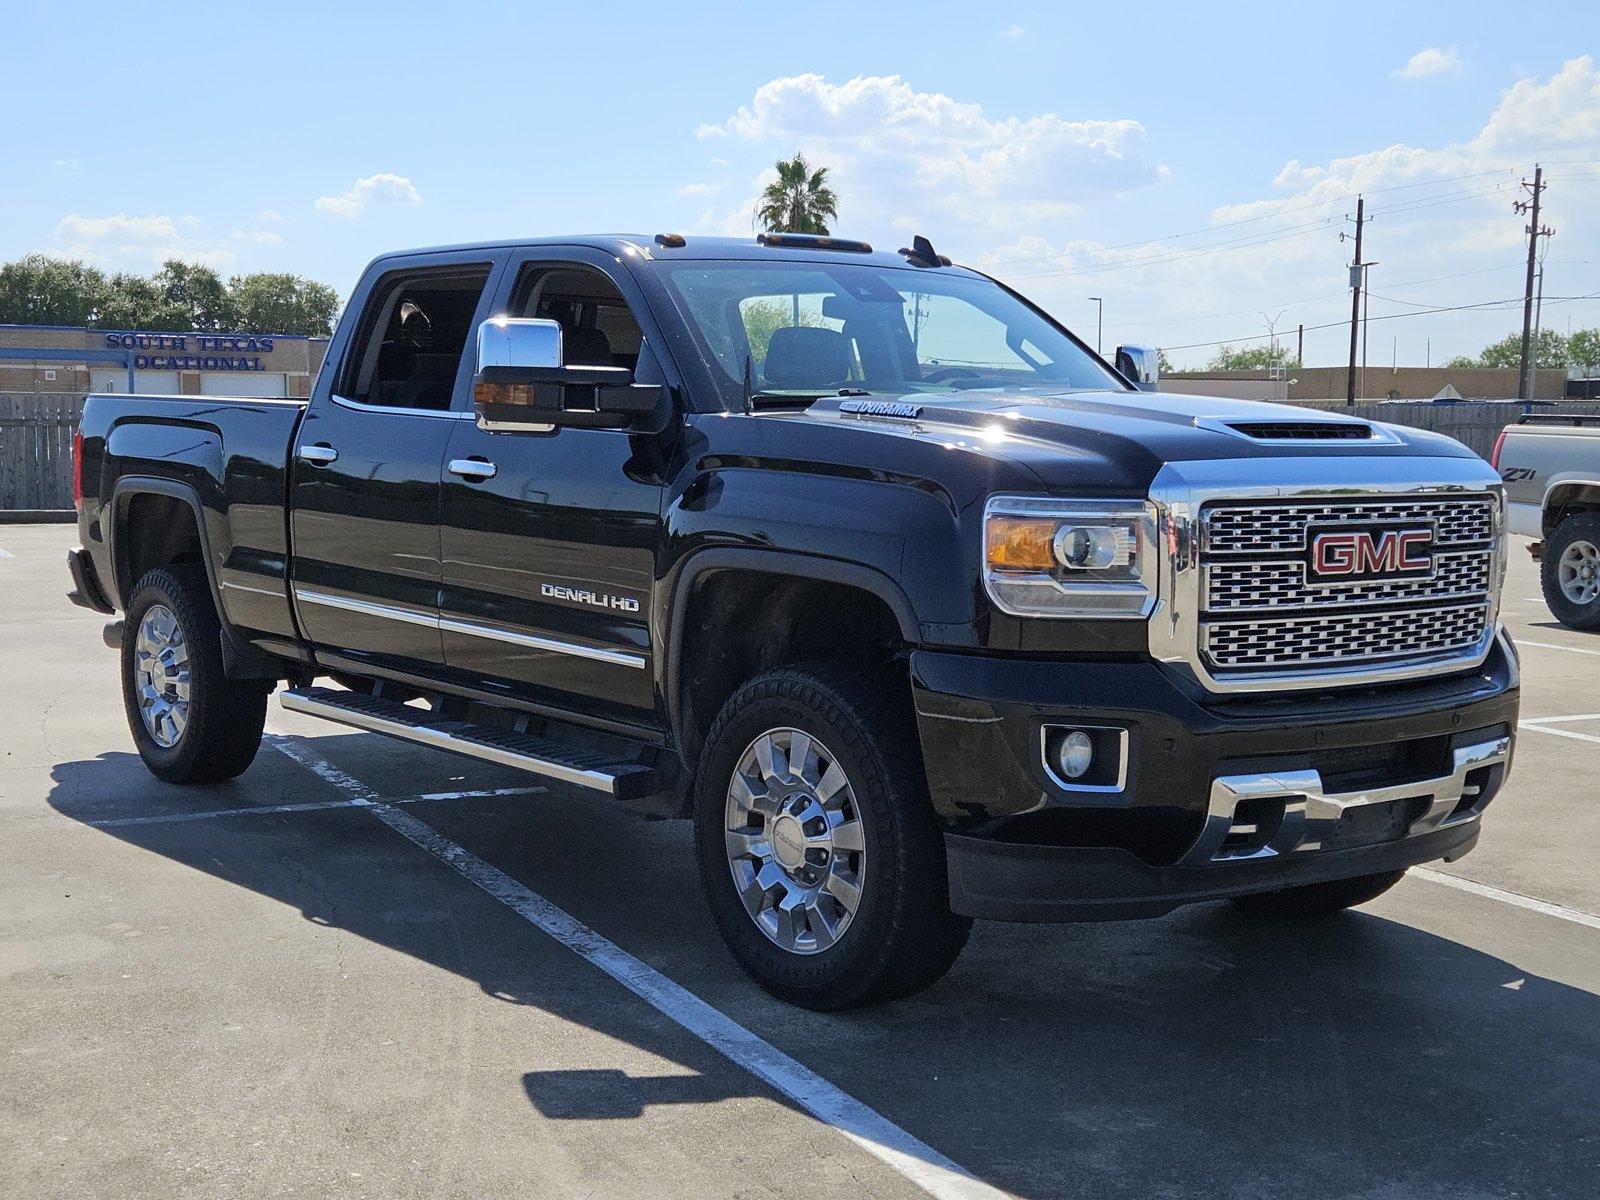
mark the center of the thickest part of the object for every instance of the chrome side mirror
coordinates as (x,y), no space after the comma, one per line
(513,342)
(522,385)
(1141,364)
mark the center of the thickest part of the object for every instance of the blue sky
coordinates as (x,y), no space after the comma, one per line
(1059,145)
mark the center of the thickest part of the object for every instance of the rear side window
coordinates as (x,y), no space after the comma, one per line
(411,339)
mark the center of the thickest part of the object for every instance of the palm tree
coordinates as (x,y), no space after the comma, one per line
(799,200)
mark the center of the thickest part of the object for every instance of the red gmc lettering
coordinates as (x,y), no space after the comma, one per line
(1359,553)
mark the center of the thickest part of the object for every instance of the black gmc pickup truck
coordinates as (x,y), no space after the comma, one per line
(920,610)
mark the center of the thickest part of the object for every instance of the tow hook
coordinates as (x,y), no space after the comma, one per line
(112,634)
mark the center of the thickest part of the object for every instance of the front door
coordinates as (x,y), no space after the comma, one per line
(366,462)
(549,539)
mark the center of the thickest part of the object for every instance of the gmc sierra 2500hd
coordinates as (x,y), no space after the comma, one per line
(920,610)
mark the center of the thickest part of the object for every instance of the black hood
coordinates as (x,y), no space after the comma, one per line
(1063,436)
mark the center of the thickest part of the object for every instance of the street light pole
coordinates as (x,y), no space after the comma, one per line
(1099,322)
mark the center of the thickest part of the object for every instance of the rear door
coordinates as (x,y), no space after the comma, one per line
(549,539)
(364,502)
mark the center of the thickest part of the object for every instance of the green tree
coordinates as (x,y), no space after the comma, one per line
(1583,349)
(799,200)
(1163,363)
(271,302)
(190,296)
(1251,358)
(40,290)
(1550,351)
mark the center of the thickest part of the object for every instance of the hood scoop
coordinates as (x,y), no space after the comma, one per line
(1285,431)
(1290,432)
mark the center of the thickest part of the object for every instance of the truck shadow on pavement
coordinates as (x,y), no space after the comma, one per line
(1204,1054)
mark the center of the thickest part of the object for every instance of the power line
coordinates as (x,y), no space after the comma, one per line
(1485,304)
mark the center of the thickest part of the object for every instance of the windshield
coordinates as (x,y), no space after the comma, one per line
(809,329)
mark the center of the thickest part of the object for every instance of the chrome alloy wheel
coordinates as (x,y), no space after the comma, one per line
(1579,572)
(795,842)
(161,666)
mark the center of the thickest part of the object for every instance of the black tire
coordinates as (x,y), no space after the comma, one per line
(902,936)
(225,716)
(1584,527)
(1314,900)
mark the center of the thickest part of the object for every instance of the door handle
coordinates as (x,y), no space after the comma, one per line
(473,469)
(319,455)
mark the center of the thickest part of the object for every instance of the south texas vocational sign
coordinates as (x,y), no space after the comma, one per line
(218,351)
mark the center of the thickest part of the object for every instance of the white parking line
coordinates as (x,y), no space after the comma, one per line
(926,1167)
(1505,897)
(1552,646)
(309,806)
(1538,726)
(4,553)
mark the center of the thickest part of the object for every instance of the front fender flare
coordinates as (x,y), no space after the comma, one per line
(680,585)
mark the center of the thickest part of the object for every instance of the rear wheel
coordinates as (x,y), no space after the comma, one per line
(1570,571)
(190,722)
(817,848)
(1320,899)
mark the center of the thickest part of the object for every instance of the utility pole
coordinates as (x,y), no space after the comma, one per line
(1300,346)
(1366,313)
(1099,321)
(1357,275)
(1535,231)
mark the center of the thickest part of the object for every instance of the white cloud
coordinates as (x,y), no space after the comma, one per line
(261,237)
(903,158)
(1431,60)
(1013,31)
(700,189)
(120,240)
(65,164)
(382,187)
(144,229)
(1442,229)
(267,214)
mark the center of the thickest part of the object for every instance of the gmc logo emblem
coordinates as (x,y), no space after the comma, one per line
(1349,554)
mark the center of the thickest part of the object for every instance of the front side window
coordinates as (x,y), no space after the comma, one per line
(797,328)
(411,340)
(598,329)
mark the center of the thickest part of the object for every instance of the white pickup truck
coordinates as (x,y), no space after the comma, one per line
(1551,468)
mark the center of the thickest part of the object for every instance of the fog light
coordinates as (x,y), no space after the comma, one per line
(1074,754)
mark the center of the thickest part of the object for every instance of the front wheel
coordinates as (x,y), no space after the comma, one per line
(1320,899)
(817,848)
(1570,572)
(190,722)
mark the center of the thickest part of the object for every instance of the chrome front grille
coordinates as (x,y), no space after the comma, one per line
(1260,616)
(1253,528)
(1340,639)
(1270,586)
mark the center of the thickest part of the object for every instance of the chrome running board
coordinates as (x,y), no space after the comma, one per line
(507,747)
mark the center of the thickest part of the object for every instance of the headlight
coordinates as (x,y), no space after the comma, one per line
(1069,558)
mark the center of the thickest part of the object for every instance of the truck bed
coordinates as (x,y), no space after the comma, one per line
(225,457)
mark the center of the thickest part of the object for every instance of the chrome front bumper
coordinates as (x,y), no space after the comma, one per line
(1267,814)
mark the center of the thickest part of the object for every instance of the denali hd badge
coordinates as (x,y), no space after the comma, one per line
(589,598)
(1351,554)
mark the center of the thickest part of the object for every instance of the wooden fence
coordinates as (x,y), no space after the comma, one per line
(36,450)
(1476,423)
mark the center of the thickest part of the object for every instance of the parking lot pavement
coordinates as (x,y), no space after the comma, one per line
(309,997)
